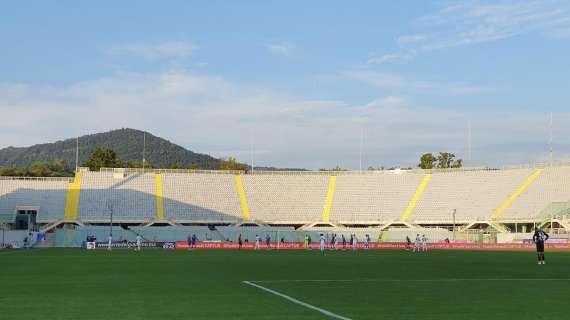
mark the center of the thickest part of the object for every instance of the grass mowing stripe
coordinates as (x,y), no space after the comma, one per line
(306,305)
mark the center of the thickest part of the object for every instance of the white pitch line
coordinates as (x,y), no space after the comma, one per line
(306,305)
(413,280)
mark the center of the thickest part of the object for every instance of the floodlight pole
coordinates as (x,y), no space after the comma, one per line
(252,151)
(551,159)
(469,142)
(360,152)
(551,153)
(76,155)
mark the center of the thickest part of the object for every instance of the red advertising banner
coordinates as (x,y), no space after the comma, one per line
(233,245)
(375,246)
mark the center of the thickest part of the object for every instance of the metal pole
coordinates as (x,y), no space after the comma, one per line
(453,215)
(251,150)
(110,207)
(550,140)
(469,141)
(360,153)
(77,155)
(111,220)
(144,150)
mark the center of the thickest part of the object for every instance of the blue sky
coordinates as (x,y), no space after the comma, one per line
(303,82)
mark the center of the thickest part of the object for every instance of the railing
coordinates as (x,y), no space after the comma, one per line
(171,171)
(367,172)
(560,163)
(555,163)
(66,179)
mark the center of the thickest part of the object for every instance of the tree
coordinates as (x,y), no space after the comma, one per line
(427,161)
(443,160)
(447,160)
(457,164)
(138,164)
(103,158)
(174,165)
(39,169)
(337,168)
(231,164)
(194,166)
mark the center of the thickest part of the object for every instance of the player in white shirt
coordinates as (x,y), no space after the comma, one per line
(257,239)
(417,243)
(322,243)
(424,243)
(354,242)
(139,242)
(110,243)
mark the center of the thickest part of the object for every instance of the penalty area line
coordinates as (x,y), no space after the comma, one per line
(413,280)
(296,301)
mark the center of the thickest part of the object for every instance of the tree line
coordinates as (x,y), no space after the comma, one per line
(107,158)
(443,160)
(57,168)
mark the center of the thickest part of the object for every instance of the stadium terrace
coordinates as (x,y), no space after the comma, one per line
(478,205)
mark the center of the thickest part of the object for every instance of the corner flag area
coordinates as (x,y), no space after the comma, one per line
(286,284)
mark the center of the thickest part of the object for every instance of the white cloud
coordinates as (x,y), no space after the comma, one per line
(392,57)
(392,81)
(414,38)
(213,115)
(377,79)
(283,48)
(473,22)
(162,50)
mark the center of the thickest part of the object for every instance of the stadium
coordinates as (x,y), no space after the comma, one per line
(472,204)
(491,211)
(256,160)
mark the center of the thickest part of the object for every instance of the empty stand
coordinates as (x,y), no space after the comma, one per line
(286,198)
(131,197)
(381,197)
(475,195)
(46,194)
(551,187)
(373,197)
(198,197)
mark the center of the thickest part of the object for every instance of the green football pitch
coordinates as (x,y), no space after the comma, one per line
(160,284)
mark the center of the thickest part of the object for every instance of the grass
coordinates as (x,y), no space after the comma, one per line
(157,284)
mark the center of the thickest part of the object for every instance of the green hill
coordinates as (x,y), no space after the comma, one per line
(127,143)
